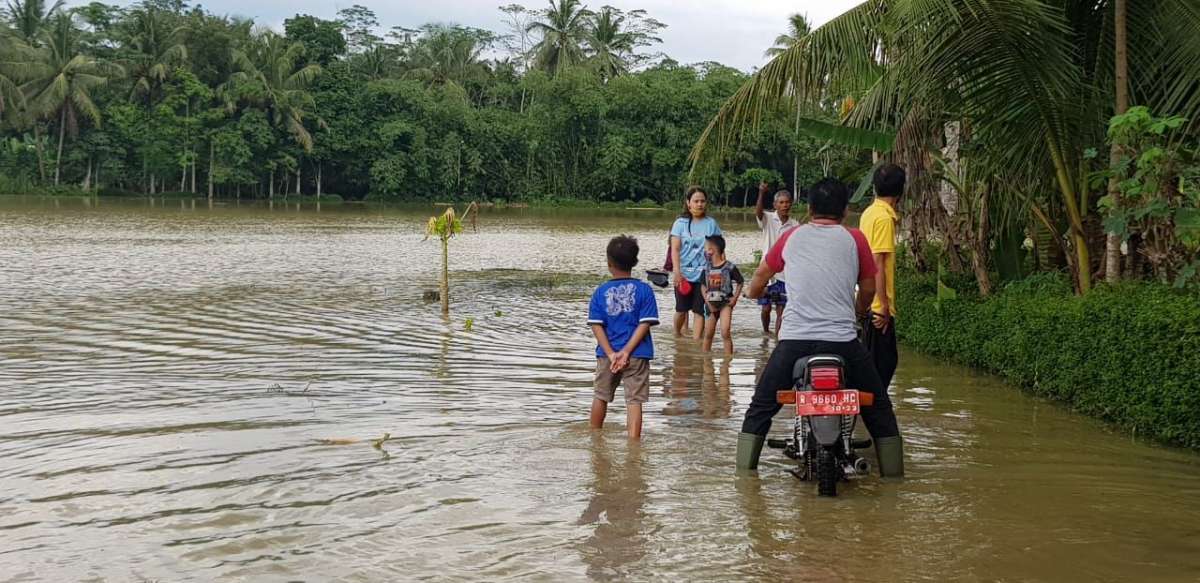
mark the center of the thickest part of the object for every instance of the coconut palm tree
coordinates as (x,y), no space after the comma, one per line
(1031,78)
(30,18)
(450,55)
(63,80)
(564,30)
(798,28)
(157,48)
(16,63)
(269,78)
(614,36)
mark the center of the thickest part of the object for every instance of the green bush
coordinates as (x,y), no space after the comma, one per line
(1128,354)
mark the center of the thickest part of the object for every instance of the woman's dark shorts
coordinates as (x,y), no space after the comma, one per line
(692,302)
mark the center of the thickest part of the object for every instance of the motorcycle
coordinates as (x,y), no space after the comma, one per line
(826,413)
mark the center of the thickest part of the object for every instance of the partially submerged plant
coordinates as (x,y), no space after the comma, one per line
(443,228)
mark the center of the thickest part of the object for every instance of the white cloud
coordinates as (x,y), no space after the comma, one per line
(733,32)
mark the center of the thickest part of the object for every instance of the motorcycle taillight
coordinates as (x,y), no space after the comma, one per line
(826,378)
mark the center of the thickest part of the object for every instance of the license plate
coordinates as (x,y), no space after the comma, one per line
(826,403)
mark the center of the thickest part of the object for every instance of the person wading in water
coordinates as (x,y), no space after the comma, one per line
(687,254)
(878,223)
(773,223)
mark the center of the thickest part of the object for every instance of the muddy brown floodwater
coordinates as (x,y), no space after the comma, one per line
(190,394)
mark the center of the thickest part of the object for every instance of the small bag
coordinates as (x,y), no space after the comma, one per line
(669,264)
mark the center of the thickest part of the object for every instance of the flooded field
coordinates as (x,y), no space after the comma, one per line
(191,394)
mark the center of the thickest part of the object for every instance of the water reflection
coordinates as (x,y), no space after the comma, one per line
(138,343)
(697,383)
(618,494)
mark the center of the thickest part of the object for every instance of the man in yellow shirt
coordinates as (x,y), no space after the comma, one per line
(879,223)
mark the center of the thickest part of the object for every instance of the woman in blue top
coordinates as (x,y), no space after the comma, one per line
(687,253)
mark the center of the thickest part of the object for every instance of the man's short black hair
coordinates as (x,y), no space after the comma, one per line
(828,198)
(718,241)
(623,252)
(889,180)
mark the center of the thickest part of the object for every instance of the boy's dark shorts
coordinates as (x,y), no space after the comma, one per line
(692,302)
(776,295)
(636,377)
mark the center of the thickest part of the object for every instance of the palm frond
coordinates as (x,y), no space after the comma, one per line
(847,136)
(302,78)
(83,104)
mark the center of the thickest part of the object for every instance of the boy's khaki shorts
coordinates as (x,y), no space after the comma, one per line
(636,376)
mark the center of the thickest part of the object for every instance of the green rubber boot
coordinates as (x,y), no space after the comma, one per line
(891,456)
(748,449)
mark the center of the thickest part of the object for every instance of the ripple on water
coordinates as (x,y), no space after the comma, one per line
(194,395)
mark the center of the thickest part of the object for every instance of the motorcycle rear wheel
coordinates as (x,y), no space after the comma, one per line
(827,472)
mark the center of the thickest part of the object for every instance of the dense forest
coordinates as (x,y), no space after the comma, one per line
(568,103)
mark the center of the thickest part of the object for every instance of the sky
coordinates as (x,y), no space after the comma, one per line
(733,32)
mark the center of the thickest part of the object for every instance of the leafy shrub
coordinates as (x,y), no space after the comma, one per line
(1128,354)
(17,184)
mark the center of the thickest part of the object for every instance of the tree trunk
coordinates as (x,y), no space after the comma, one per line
(151,184)
(211,166)
(193,191)
(271,186)
(87,178)
(1112,245)
(297,178)
(979,251)
(41,154)
(62,133)
(1081,262)
(796,157)
(445,275)
(319,180)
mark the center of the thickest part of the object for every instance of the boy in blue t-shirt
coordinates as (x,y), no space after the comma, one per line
(621,313)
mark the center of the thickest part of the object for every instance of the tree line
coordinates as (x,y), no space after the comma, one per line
(566,103)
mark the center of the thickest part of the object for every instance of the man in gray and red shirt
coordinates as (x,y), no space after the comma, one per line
(822,262)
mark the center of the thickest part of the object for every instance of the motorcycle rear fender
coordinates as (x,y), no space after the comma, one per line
(826,429)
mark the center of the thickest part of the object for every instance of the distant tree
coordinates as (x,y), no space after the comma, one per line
(614,37)
(323,40)
(64,82)
(155,47)
(358,26)
(798,28)
(30,18)
(564,31)
(450,55)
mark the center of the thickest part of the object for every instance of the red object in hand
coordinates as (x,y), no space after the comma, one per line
(685,287)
